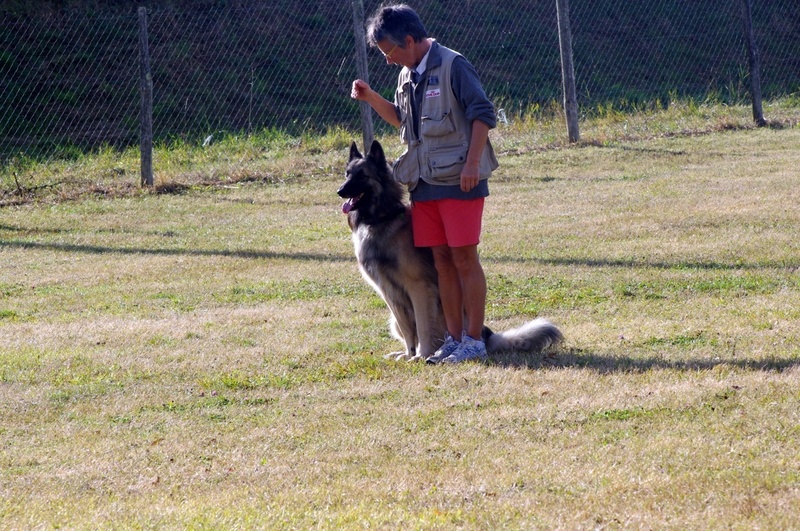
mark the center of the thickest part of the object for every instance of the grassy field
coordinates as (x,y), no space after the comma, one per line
(206,355)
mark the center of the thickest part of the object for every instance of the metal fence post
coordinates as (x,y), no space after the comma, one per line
(146,89)
(567,70)
(363,70)
(755,62)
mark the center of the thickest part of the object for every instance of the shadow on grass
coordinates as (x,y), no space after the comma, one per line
(606,364)
(240,253)
(633,264)
(487,259)
(248,253)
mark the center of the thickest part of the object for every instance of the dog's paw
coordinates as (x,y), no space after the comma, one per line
(397,356)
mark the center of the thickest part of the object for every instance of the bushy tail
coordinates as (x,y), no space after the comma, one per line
(534,336)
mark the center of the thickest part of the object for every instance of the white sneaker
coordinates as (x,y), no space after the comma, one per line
(448,347)
(468,349)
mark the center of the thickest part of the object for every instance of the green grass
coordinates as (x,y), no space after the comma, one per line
(209,357)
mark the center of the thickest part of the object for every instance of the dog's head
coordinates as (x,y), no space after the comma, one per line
(369,187)
(363,177)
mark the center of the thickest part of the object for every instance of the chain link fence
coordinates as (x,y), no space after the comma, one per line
(69,79)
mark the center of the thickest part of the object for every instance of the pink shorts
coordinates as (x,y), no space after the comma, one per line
(451,222)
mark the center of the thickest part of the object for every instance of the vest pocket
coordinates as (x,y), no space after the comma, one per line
(437,126)
(405,171)
(447,161)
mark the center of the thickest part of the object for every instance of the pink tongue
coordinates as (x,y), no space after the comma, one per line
(347,206)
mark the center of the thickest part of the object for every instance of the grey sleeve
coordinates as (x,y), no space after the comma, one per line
(469,93)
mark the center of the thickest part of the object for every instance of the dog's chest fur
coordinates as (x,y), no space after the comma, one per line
(376,257)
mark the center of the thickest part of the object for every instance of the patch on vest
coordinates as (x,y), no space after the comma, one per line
(433,93)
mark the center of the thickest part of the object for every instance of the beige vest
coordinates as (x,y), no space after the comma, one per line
(439,152)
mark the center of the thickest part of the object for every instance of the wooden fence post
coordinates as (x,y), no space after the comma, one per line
(146,89)
(363,70)
(567,70)
(755,62)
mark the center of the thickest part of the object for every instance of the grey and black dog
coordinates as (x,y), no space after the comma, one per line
(404,275)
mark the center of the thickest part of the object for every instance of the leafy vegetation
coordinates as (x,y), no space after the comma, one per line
(221,69)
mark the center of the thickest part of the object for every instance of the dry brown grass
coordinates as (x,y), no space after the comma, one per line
(212,359)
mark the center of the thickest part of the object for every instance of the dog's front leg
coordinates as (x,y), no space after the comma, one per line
(429,319)
(404,329)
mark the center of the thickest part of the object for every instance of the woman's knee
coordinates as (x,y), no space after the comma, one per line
(466,258)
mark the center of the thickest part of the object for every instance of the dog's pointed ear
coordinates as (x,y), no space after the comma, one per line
(354,153)
(376,152)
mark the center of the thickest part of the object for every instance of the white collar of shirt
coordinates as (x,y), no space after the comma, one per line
(420,69)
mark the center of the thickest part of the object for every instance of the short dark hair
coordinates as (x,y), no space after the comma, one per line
(393,23)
